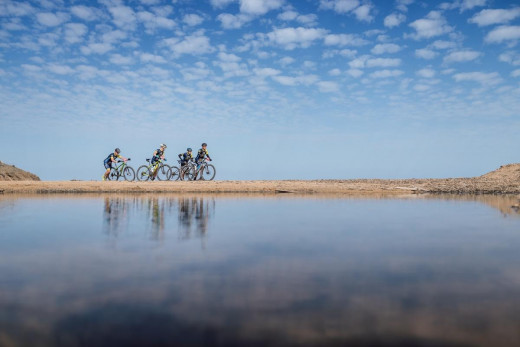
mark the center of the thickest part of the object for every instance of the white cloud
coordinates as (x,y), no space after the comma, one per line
(383,62)
(266,72)
(385,48)
(259,7)
(309,19)
(193,19)
(421,87)
(17,9)
(461,56)
(291,38)
(52,19)
(503,33)
(84,12)
(491,78)
(152,22)
(220,3)
(294,81)
(394,19)
(515,73)
(402,5)
(195,44)
(334,72)
(363,13)
(228,57)
(31,68)
(386,73)
(344,40)
(498,16)
(425,53)
(355,72)
(440,44)
(229,21)
(286,61)
(74,32)
(60,69)
(124,17)
(328,86)
(469,4)
(152,58)
(510,57)
(426,73)
(434,24)
(339,6)
(118,59)
(96,48)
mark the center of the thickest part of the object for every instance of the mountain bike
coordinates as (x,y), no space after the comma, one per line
(207,171)
(121,170)
(151,171)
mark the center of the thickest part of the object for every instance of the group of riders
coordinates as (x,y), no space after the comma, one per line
(158,155)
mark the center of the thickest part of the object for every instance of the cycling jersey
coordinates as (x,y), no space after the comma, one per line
(157,156)
(201,154)
(108,160)
(185,157)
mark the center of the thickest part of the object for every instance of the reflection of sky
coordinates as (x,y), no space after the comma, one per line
(295,269)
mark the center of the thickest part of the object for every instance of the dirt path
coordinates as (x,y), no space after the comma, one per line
(479,185)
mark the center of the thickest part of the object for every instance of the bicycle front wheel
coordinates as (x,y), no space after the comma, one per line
(175,173)
(143,174)
(208,172)
(129,174)
(113,175)
(185,173)
(163,173)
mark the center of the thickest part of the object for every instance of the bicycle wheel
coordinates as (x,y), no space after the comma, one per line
(175,173)
(129,174)
(208,172)
(163,172)
(185,173)
(113,175)
(143,174)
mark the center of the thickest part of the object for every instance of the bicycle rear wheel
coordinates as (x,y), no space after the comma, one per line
(175,173)
(143,173)
(163,172)
(129,174)
(208,172)
(113,175)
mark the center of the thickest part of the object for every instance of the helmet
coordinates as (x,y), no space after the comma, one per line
(189,149)
(163,145)
(117,150)
(204,144)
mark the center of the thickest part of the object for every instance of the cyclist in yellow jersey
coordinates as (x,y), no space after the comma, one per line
(111,159)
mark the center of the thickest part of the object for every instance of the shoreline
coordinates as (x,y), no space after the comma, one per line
(476,185)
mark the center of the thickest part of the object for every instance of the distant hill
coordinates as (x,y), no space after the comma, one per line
(12,173)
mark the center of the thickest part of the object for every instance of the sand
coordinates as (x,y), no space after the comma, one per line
(505,180)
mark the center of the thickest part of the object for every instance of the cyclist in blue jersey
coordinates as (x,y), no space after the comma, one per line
(111,159)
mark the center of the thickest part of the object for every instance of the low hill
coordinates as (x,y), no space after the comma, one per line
(12,173)
(510,172)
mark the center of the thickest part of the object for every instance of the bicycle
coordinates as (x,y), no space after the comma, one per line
(123,170)
(175,173)
(151,171)
(207,171)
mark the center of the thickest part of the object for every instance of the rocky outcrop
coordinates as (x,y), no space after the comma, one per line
(12,173)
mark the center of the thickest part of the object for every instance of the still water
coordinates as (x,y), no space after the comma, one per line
(204,270)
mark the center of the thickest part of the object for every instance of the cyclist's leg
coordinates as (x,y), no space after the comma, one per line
(108,166)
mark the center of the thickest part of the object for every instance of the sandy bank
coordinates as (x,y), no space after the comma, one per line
(477,185)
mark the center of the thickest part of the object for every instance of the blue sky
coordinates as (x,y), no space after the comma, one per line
(279,89)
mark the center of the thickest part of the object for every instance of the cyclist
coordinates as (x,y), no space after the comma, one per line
(157,155)
(185,157)
(111,159)
(201,155)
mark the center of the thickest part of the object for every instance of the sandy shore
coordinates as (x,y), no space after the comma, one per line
(477,185)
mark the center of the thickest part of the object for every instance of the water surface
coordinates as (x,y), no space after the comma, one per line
(133,270)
